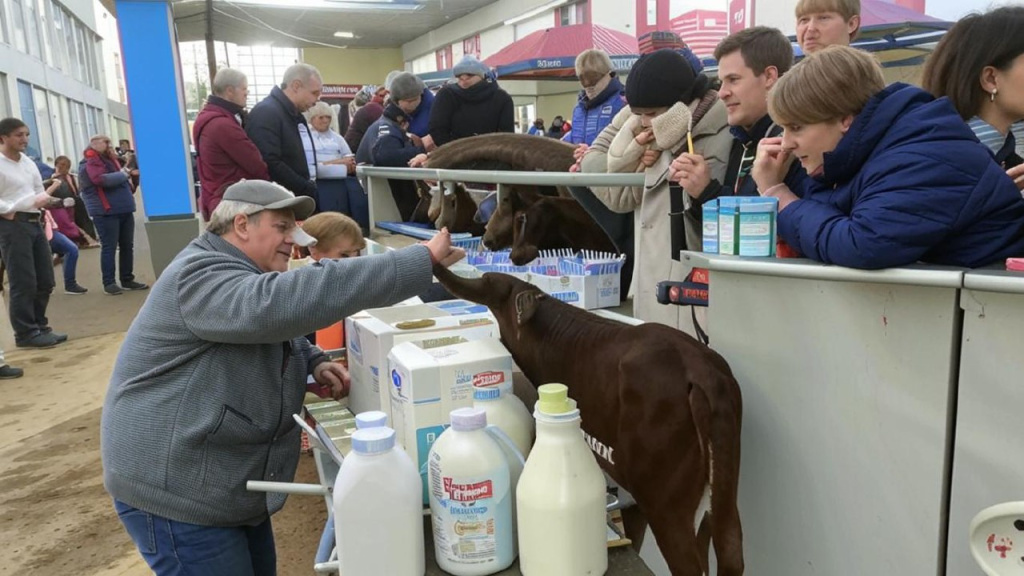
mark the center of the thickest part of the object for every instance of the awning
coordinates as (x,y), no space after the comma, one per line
(551,53)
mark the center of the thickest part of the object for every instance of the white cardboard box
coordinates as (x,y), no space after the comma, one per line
(371,334)
(430,379)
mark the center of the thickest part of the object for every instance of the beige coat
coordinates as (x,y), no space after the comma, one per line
(616,151)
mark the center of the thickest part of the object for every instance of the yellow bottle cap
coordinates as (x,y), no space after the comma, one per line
(554,399)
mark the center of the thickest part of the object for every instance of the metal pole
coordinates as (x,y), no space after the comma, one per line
(211,50)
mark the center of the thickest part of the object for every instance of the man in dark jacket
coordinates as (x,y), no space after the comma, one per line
(473,105)
(750,62)
(226,154)
(279,130)
(391,146)
(110,200)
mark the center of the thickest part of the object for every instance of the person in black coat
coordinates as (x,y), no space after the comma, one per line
(278,128)
(473,105)
(393,147)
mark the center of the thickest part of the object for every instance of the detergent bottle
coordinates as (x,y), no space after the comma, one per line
(378,508)
(561,495)
(470,498)
(508,413)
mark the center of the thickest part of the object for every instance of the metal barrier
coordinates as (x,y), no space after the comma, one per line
(848,382)
(382,206)
(987,464)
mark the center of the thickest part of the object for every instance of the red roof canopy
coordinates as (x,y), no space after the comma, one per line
(876,12)
(564,41)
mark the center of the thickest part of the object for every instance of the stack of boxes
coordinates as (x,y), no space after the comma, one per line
(740,226)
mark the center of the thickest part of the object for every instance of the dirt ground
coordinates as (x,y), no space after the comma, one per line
(55,517)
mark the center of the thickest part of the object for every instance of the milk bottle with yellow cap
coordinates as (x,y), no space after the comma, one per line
(561,495)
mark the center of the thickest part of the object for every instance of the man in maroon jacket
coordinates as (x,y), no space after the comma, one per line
(226,154)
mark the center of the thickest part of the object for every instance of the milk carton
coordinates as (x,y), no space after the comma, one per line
(371,334)
(746,225)
(431,378)
(710,227)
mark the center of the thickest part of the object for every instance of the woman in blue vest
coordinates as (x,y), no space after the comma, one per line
(601,97)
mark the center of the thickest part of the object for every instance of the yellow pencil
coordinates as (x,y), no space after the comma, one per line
(689,142)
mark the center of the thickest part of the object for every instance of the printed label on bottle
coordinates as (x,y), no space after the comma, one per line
(468,517)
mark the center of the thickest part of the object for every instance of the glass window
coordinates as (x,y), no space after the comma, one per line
(18,19)
(28,116)
(32,29)
(63,144)
(46,145)
(46,32)
(78,121)
(93,121)
(5,103)
(3,23)
(83,52)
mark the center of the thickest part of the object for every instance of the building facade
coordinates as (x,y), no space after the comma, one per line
(53,67)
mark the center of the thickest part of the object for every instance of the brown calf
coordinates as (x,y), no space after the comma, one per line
(661,411)
(458,211)
(552,223)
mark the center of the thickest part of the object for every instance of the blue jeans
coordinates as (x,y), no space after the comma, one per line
(116,231)
(174,548)
(63,246)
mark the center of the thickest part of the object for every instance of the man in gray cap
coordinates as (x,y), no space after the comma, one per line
(214,366)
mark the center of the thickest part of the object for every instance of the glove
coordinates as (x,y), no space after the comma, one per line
(69,202)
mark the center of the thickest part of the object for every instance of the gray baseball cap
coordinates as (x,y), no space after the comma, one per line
(270,196)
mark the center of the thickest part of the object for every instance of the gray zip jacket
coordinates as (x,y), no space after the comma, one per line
(214,366)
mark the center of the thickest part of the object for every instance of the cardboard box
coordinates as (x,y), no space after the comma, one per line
(429,380)
(746,225)
(587,280)
(710,227)
(371,334)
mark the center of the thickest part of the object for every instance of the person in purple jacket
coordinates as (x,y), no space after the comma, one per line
(894,175)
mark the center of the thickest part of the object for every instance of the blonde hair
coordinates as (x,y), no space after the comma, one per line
(330,227)
(845,8)
(826,86)
(593,60)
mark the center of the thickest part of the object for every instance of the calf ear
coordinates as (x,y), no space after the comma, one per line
(526,305)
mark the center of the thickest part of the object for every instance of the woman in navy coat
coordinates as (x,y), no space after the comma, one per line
(894,176)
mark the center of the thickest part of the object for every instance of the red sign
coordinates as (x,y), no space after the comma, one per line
(741,15)
(485,379)
(340,90)
(468,492)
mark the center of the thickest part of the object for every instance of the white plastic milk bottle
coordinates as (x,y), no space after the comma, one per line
(371,419)
(378,508)
(561,495)
(470,498)
(506,411)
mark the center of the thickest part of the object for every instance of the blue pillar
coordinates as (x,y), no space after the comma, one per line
(152,71)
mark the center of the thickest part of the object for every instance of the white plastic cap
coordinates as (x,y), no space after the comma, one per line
(371,419)
(373,440)
(468,419)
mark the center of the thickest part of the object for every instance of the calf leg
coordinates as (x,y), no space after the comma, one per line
(727,532)
(635,524)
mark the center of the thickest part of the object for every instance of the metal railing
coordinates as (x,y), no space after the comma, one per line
(382,206)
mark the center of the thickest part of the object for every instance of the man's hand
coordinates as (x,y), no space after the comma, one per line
(334,375)
(418,161)
(441,250)
(416,140)
(41,201)
(428,143)
(692,173)
(1017,175)
(771,163)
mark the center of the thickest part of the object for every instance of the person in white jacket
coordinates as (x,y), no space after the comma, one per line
(666,100)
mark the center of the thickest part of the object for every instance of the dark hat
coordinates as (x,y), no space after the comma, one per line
(405,86)
(658,79)
(395,114)
(270,196)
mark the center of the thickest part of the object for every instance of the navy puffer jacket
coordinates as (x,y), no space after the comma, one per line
(908,182)
(105,189)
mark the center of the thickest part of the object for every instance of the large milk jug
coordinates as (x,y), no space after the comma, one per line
(378,509)
(561,495)
(507,412)
(470,498)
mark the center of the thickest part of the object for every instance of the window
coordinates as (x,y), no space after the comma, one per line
(5,102)
(572,14)
(121,91)
(3,23)
(32,29)
(46,145)
(28,116)
(62,141)
(444,58)
(60,40)
(46,32)
(471,46)
(652,12)
(18,19)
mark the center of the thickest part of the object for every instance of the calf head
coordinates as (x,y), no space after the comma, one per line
(512,301)
(532,228)
(498,234)
(457,211)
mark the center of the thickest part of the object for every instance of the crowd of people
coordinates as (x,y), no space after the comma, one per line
(867,175)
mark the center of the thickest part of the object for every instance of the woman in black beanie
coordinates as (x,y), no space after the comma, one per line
(666,100)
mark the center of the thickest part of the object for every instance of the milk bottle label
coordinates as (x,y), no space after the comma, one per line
(469,528)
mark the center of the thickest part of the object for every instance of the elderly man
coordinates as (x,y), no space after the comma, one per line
(278,128)
(226,154)
(214,366)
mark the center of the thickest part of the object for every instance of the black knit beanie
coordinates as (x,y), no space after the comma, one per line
(660,78)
